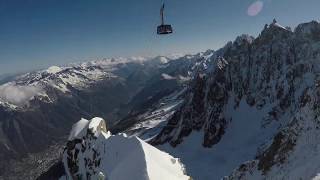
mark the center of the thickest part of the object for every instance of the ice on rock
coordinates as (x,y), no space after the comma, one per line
(115,157)
(95,126)
(78,129)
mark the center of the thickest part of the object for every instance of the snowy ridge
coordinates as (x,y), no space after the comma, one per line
(74,76)
(65,78)
(63,95)
(258,95)
(98,154)
(78,129)
(31,85)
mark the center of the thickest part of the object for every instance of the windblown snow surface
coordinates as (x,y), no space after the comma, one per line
(274,131)
(239,144)
(53,69)
(152,121)
(117,157)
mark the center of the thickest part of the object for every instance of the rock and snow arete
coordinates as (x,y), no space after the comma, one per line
(93,153)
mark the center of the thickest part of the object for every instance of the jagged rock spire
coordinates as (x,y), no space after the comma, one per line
(274,21)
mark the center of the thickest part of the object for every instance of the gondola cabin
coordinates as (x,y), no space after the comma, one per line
(163,28)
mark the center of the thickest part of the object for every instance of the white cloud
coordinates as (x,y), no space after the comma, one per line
(18,95)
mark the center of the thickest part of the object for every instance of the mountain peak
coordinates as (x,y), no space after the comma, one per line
(94,153)
(274,31)
(275,24)
(272,82)
(244,38)
(310,30)
(53,69)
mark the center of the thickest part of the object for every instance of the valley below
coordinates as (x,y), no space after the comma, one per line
(249,110)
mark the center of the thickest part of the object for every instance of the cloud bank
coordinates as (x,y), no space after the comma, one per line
(18,95)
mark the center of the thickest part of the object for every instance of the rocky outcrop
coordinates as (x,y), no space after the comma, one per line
(276,73)
(93,153)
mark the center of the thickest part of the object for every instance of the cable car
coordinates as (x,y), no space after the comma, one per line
(163,28)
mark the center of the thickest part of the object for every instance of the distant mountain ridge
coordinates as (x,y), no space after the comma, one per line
(246,111)
(44,104)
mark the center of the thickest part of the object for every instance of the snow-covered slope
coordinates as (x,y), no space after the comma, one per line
(44,104)
(253,107)
(149,123)
(93,153)
(37,84)
(251,111)
(67,78)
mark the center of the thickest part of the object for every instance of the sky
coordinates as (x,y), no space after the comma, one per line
(39,33)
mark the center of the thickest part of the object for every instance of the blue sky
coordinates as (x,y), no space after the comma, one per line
(39,33)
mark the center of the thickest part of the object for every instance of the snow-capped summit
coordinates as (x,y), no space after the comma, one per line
(160,60)
(92,153)
(274,31)
(256,117)
(60,79)
(163,60)
(53,69)
(276,24)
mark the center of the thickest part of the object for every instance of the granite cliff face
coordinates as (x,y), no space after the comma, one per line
(93,153)
(265,88)
(249,110)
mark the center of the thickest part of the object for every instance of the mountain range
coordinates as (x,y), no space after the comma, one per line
(246,111)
